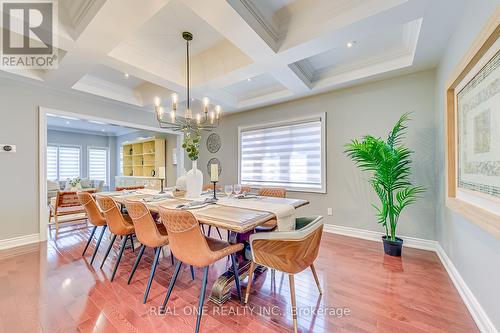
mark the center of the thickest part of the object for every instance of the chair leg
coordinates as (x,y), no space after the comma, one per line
(152,274)
(273,274)
(132,242)
(172,258)
(218,231)
(294,303)
(209,230)
(117,263)
(236,275)
(249,284)
(192,271)
(98,243)
(108,250)
(171,285)
(139,256)
(90,239)
(313,269)
(202,299)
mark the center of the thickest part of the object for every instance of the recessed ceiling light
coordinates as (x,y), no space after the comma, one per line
(67,122)
(249,79)
(351,44)
(102,130)
(127,75)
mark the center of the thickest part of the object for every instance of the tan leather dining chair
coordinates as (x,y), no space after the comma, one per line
(288,251)
(150,234)
(275,193)
(119,225)
(191,247)
(95,218)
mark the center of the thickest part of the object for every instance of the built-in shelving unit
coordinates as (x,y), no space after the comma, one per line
(143,158)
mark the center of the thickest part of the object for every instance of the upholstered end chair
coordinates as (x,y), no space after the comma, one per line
(288,251)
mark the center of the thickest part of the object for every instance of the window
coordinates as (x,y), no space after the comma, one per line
(52,165)
(63,162)
(98,164)
(290,155)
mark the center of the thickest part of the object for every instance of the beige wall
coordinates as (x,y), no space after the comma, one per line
(353,112)
(474,252)
(19,125)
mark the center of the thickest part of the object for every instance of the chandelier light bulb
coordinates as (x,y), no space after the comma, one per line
(172,115)
(218,111)
(157,101)
(198,118)
(175,98)
(206,101)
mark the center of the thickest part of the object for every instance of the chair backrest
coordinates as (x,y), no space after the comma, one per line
(207,187)
(186,241)
(114,218)
(246,189)
(94,215)
(288,251)
(67,199)
(145,227)
(123,188)
(272,192)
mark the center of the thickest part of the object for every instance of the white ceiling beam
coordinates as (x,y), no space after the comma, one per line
(238,31)
(101,36)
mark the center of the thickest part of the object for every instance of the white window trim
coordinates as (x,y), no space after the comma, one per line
(108,170)
(59,145)
(322,118)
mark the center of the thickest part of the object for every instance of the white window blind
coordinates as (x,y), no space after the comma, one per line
(69,162)
(52,165)
(98,164)
(289,156)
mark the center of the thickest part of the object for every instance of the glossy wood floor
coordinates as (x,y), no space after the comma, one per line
(49,287)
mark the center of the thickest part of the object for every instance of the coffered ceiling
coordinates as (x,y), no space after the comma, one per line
(245,53)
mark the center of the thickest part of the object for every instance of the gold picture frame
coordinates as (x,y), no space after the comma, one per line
(473,210)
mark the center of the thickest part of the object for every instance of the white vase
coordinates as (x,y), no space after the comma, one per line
(194,182)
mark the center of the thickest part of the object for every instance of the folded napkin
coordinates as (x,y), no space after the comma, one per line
(246,195)
(190,204)
(158,197)
(285,213)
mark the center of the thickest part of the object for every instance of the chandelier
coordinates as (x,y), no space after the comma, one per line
(206,119)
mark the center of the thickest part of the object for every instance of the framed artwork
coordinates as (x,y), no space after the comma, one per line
(473,132)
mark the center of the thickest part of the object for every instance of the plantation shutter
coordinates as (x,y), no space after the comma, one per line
(69,162)
(98,164)
(288,156)
(52,169)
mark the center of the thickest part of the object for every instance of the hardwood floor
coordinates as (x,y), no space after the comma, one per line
(49,287)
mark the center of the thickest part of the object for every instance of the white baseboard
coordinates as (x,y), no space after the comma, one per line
(482,320)
(18,241)
(416,243)
(480,317)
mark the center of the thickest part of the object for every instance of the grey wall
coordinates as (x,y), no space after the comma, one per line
(19,104)
(351,113)
(85,141)
(474,252)
(171,169)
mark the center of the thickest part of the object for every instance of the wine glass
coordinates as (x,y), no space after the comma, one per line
(228,189)
(237,189)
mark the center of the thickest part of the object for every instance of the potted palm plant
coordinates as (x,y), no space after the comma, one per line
(389,164)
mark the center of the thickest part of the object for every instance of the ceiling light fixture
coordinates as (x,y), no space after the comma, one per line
(127,75)
(207,121)
(249,79)
(351,44)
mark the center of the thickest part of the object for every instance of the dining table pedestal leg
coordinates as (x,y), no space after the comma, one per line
(223,286)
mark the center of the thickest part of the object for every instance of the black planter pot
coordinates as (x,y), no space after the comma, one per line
(393,248)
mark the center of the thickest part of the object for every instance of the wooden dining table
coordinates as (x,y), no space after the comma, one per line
(240,223)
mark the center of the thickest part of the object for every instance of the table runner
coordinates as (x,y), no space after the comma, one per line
(285,213)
